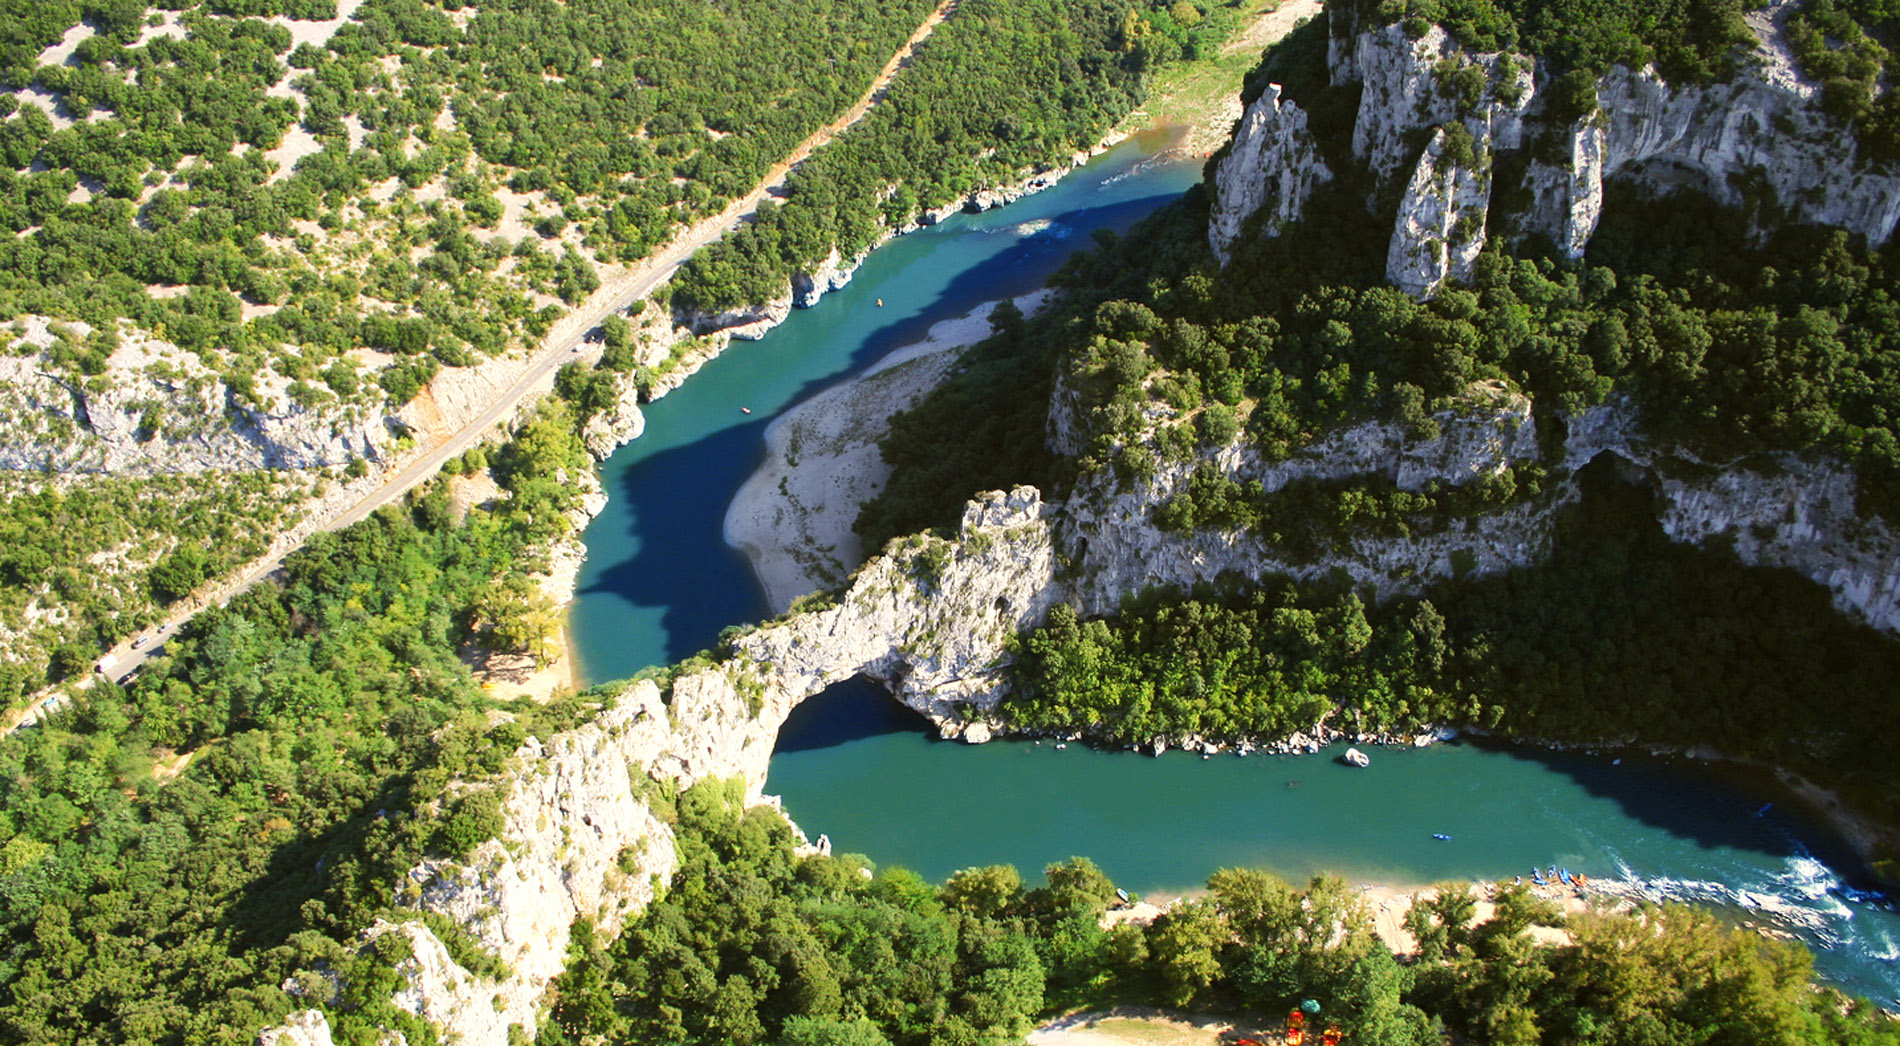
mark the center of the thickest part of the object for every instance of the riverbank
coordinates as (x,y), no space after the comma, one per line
(507,675)
(1204,95)
(792,518)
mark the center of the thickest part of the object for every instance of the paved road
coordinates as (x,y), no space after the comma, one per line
(560,347)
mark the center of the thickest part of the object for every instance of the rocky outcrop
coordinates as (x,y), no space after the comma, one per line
(303,1028)
(1274,163)
(1441,224)
(1784,511)
(580,842)
(1408,85)
(620,423)
(931,618)
(744,323)
(1759,141)
(832,274)
(1567,199)
(1115,550)
(1004,195)
(158,409)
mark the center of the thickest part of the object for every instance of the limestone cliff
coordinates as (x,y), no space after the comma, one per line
(1408,85)
(580,842)
(1273,163)
(1783,511)
(1758,141)
(1115,549)
(154,408)
(930,617)
(1441,225)
(621,422)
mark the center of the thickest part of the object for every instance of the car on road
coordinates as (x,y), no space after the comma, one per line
(141,641)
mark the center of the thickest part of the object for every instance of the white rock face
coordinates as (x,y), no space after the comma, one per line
(158,409)
(1764,129)
(580,844)
(1567,200)
(1801,516)
(1770,125)
(1116,550)
(832,274)
(619,424)
(1441,224)
(1762,134)
(930,619)
(1273,163)
(1401,93)
(745,323)
(303,1028)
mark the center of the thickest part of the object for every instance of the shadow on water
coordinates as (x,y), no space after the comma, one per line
(854,710)
(678,496)
(1019,270)
(679,500)
(1713,805)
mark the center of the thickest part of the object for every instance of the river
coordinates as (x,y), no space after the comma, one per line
(660,584)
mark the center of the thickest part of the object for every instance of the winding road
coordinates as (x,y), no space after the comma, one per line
(560,346)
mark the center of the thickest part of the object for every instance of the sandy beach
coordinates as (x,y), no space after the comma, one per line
(792,518)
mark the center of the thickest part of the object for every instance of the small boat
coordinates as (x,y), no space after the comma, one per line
(880,303)
(1354,757)
(745,410)
(1441,837)
(1563,876)
(1537,878)
(1577,880)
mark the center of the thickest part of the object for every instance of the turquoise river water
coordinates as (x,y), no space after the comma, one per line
(660,583)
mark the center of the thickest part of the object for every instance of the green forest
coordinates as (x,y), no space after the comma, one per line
(1002,88)
(1620,636)
(165,535)
(618,125)
(755,945)
(177,848)
(1735,346)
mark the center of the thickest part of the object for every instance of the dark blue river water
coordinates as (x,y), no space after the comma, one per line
(660,583)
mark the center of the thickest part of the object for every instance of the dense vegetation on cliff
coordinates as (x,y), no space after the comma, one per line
(176,848)
(757,945)
(1686,39)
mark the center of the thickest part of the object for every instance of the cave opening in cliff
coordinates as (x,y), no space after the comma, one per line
(853,710)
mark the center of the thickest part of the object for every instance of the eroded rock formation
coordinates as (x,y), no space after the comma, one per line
(1758,141)
(1272,166)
